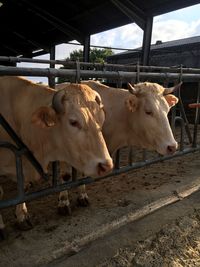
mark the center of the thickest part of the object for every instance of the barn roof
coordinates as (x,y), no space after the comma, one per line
(32,25)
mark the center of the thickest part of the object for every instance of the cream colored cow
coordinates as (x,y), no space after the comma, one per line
(64,126)
(137,117)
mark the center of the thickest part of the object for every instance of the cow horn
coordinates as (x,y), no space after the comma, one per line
(172,89)
(57,101)
(131,89)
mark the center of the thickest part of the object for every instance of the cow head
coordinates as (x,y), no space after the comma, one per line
(75,119)
(149,104)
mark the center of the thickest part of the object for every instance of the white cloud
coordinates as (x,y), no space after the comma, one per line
(174,29)
(128,36)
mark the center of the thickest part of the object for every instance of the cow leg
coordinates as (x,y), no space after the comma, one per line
(64,203)
(83,199)
(2,225)
(23,218)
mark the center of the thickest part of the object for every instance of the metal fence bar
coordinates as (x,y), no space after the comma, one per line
(76,74)
(196,119)
(130,156)
(88,180)
(74,174)
(22,147)
(55,172)
(117,159)
(100,65)
(71,73)
(181,121)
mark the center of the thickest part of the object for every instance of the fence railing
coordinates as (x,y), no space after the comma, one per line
(118,73)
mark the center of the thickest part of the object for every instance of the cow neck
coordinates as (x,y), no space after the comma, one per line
(36,138)
(116,124)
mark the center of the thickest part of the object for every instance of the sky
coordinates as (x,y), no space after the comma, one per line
(175,25)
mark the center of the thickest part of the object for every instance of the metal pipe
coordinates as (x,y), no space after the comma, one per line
(147,40)
(117,160)
(55,172)
(74,174)
(86,49)
(5,70)
(20,177)
(196,119)
(179,119)
(105,65)
(22,147)
(52,65)
(23,150)
(130,156)
(88,180)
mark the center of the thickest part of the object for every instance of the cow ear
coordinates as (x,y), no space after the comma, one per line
(131,103)
(171,100)
(44,117)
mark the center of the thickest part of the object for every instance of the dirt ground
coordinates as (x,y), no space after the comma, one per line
(175,245)
(110,199)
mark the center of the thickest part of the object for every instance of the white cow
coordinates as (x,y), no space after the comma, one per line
(137,117)
(60,125)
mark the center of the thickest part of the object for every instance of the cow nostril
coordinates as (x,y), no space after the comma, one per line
(102,168)
(171,149)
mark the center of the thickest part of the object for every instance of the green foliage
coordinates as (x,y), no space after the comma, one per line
(76,55)
(96,56)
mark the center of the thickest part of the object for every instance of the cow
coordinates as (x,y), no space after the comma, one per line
(135,117)
(55,125)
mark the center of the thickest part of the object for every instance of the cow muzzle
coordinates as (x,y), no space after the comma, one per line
(171,148)
(167,149)
(104,167)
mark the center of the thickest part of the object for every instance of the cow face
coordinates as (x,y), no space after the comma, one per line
(149,105)
(76,118)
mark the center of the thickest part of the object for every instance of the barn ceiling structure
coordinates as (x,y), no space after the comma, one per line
(33,27)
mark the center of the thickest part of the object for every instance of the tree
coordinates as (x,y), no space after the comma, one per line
(96,56)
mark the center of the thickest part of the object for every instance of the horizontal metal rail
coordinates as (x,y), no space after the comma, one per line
(73,73)
(89,180)
(99,65)
(20,148)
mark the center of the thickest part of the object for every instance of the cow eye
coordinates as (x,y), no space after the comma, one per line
(149,113)
(98,100)
(75,124)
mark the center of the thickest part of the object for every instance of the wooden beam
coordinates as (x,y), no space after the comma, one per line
(147,41)
(131,11)
(62,26)
(86,49)
(34,43)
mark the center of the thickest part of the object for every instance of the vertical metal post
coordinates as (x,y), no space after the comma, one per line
(55,165)
(117,160)
(52,65)
(20,177)
(130,156)
(183,115)
(74,174)
(144,154)
(55,172)
(194,143)
(147,41)
(86,49)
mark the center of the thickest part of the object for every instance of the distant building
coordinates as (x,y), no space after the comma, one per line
(173,53)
